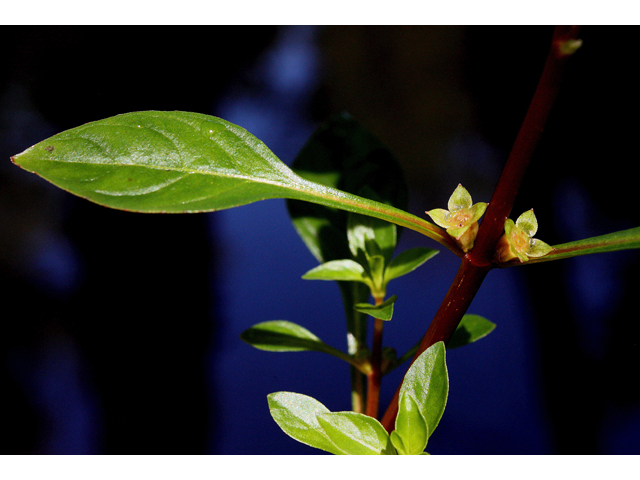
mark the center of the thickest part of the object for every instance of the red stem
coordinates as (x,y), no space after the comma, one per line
(477,263)
(504,195)
(462,291)
(374,378)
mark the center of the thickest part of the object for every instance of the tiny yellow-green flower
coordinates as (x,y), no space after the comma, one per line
(461,220)
(518,242)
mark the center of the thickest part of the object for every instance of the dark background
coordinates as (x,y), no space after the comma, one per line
(121,329)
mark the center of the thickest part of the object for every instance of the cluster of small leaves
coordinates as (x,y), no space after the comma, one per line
(372,243)
(353,249)
(423,397)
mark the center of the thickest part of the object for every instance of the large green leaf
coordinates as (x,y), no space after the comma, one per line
(296,415)
(342,154)
(355,433)
(184,162)
(427,382)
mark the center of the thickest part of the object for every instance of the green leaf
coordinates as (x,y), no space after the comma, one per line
(296,415)
(376,269)
(509,225)
(459,199)
(411,431)
(356,434)
(470,329)
(341,270)
(183,162)
(440,216)
(408,261)
(284,336)
(428,383)
(528,223)
(369,237)
(342,154)
(281,336)
(384,311)
(478,210)
(396,441)
(538,248)
(611,242)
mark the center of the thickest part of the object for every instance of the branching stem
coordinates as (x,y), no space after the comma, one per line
(477,263)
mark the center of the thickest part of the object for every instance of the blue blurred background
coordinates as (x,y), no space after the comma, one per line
(121,330)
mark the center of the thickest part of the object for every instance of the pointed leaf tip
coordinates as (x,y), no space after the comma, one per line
(460,198)
(427,382)
(528,223)
(281,336)
(411,429)
(340,270)
(471,328)
(384,311)
(355,433)
(296,415)
(407,261)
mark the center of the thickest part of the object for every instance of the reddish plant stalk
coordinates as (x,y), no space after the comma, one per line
(477,263)
(375,377)
(462,291)
(504,195)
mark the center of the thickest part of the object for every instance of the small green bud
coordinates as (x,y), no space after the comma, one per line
(569,47)
(461,220)
(518,242)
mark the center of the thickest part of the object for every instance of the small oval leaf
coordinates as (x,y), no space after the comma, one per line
(471,328)
(284,336)
(355,433)
(384,311)
(427,382)
(341,270)
(410,427)
(281,336)
(408,261)
(296,415)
